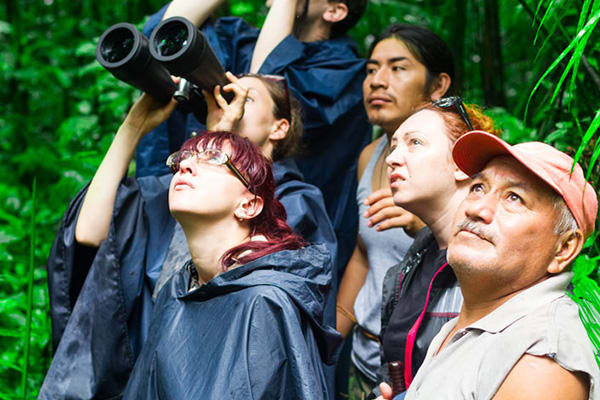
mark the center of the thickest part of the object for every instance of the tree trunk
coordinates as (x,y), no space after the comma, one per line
(492,74)
(458,43)
(14,13)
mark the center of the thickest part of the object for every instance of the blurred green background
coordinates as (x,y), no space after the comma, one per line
(532,64)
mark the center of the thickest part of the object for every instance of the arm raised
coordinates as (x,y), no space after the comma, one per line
(278,24)
(197,11)
(97,208)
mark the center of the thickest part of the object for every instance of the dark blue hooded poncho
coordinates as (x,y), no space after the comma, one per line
(102,307)
(253,332)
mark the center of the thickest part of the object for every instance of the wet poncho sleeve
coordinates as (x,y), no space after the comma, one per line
(98,333)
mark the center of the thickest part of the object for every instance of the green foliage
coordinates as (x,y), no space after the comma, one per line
(575,24)
(587,294)
(60,109)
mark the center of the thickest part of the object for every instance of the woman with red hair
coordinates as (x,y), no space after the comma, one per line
(243,317)
(234,230)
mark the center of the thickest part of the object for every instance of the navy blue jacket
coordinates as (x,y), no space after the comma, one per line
(129,262)
(253,332)
(326,76)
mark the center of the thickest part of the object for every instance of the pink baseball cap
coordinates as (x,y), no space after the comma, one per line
(475,149)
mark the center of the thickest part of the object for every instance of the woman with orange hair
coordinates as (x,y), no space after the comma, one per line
(421,293)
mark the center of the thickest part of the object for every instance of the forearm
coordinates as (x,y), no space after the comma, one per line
(352,281)
(97,208)
(197,11)
(278,24)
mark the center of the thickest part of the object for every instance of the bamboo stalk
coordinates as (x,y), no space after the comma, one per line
(29,293)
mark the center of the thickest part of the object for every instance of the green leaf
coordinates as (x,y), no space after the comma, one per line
(5,28)
(578,53)
(6,237)
(547,14)
(63,78)
(593,159)
(86,49)
(11,332)
(242,8)
(587,137)
(590,25)
(84,107)
(75,127)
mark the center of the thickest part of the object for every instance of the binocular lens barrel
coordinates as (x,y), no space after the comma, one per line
(116,45)
(171,39)
(176,47)
(184,50)
(124,52)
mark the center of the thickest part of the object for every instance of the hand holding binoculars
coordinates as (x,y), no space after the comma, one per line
(176,47)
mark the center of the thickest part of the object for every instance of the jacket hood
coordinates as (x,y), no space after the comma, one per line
(286,170)
(304,274)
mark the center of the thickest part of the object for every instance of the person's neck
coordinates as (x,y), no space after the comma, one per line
(208,240)
(439,216)
(389,133)
(482,294)
(390,127)
(267,149)
(319,30)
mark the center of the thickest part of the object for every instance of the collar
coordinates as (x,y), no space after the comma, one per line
(524,303)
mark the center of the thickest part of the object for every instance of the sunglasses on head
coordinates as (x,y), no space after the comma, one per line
(454,101)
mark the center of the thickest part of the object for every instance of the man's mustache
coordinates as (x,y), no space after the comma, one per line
(478,229)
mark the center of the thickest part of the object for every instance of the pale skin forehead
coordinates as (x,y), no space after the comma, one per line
(257,89)
(253,84)
(423,121)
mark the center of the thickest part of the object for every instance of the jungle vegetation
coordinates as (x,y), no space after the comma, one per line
(532,64)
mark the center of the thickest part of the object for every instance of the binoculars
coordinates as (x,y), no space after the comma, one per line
(176,47)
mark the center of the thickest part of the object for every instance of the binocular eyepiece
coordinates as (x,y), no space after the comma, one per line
(176,47)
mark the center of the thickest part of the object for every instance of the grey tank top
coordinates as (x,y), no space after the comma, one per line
(384,249)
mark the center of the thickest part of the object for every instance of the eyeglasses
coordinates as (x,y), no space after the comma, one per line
(280,80)
(209,156)
(454,101)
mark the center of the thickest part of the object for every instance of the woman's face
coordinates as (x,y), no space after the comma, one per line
(258,123)
(420,165)
(202,189)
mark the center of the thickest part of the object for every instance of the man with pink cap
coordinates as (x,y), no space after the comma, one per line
(518,334)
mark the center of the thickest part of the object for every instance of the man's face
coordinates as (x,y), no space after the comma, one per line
(504,229)
(394,85)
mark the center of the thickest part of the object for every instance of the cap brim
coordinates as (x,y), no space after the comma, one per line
(475,149)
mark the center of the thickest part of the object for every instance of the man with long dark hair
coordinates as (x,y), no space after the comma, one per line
(407,66)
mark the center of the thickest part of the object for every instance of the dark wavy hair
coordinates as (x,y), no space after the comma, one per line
(356,8)
(427,47)
(256,168)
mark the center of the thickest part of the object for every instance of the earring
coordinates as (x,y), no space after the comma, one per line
(240,215)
